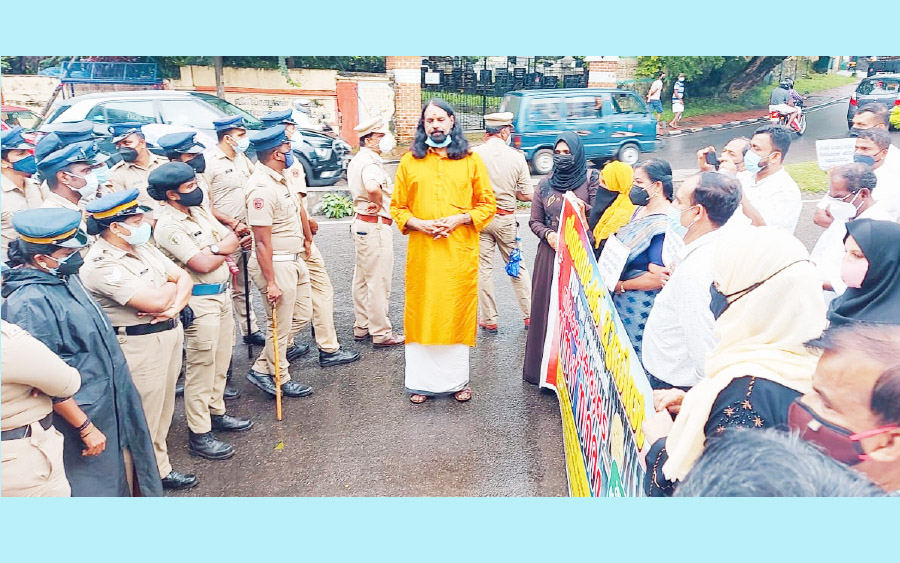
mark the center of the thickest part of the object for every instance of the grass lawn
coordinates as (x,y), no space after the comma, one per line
(819,82)
(808,176)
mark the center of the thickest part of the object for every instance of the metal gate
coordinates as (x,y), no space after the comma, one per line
(475,86)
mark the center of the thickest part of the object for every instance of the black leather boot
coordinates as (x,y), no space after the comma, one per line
(206,445)
(177,481)
(228,423)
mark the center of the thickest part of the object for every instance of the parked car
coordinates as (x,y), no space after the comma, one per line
(611,122)
(16,116)
(323,156)
(884,88)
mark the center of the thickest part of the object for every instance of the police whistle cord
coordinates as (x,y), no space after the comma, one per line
(247,304)
(277,376)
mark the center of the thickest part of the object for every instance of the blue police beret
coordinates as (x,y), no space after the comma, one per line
(275,117)
(230,122)
(85,151)
(75,132)
(50,225)
(121,130)
(183,142)
(268,139)
(116,204)
(168,177)
(12,139)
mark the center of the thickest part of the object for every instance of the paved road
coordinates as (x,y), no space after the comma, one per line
(359,435)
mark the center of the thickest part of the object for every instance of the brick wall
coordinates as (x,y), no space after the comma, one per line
(602,71)
(406,75)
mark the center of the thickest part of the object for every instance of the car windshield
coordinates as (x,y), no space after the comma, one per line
(23,118)
(876,86)
(229,109)
(57,111)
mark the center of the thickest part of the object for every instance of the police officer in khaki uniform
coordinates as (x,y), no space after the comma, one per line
(370,187)
(330,351)
(69,173)
(142,292)
(511,182)
(31,457)
(137,161)
(190,235)
(227,172)
(69,134)
(276,267)
(20,190)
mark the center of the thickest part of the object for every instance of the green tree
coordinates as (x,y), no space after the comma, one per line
(712,76)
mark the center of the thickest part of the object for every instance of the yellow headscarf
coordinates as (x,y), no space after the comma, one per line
(617,177)
(762,334)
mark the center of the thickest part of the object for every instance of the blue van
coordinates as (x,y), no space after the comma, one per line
(611,123)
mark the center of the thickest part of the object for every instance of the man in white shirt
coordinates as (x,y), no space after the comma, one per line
(849,198)
(773,192)
(872,147)
(679,331)
(653,97)
(731,162)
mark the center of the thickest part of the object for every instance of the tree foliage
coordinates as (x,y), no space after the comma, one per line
(711,76)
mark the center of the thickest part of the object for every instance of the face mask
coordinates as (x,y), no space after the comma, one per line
(102,174)
(864,159)
(842,211)
(563,161)
(289,158)
(191,198)
(673,217)
(431,143)
(68,265)
(855,131)
(838,443)
(719,303)
(752,162)
(128,154)
(241,145)
(90,187)
(386,144)
(139,235)
(639,196)
(26,165)
(853,272)
(198,163)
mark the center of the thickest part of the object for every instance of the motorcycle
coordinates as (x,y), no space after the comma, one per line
(788,120)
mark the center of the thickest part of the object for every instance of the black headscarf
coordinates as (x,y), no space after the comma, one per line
(566,179)
(878,299)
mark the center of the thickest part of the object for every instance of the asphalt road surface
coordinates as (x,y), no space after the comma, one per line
(358,435)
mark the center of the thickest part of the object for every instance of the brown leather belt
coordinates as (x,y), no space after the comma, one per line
(504,212)
(374,219)
(25,431)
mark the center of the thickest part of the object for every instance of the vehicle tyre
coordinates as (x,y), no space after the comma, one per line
(802,125)
(542,162)
(629,153)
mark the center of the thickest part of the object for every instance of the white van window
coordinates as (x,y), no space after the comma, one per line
(543,109)
(583,107)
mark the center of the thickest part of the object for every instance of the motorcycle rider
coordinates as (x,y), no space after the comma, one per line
(783,102)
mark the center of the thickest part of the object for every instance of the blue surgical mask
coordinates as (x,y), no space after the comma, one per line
(102,174)
(242,144)
(139,235)
(26,165)
(673,217)
(751,161)
(446,142)
(289,158)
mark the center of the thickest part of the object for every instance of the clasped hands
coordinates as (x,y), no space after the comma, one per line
(438,228)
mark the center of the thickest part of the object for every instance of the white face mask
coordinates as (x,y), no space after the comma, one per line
(89,190)
(386,144)
(842,211)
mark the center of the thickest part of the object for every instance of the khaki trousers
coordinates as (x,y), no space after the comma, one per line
(372,278)
(154,361)
(294,311)
(33,466)
(322,302)
(500,233)
(209,342)
(237,298)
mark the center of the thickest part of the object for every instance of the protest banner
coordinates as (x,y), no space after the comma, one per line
(834,152)
(604,395)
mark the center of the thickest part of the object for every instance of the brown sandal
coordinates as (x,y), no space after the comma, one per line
(418,399)
(463,395)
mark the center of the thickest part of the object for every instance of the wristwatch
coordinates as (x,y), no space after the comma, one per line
(214,248)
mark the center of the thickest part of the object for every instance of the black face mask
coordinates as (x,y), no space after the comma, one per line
(68,265)
(128,154)
(639,196)
(718,302)
(563,161)
(854,132)
(864,159)
(191,198)
(198,163)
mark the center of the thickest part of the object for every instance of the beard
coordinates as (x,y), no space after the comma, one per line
(438,136)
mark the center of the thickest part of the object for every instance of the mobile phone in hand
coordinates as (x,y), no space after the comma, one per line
(712,159)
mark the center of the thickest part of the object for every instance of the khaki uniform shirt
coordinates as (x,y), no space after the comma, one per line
(115,276)
(367,166)
(271,203)
(508,172)
(296,177)
(12,201)
(181,237)
(227,179)
(126,175)
(28,364)
(55,201)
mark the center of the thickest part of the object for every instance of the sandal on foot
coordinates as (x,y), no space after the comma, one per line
(418,399)
(463,395)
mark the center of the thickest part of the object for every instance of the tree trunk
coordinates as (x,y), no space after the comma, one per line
(756,70)
(220,82)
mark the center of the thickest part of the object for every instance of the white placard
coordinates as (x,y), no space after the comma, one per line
(432,78)
(834,152)
(612,261)
(673,244)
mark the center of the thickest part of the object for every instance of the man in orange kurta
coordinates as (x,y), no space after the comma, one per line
(442,198)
